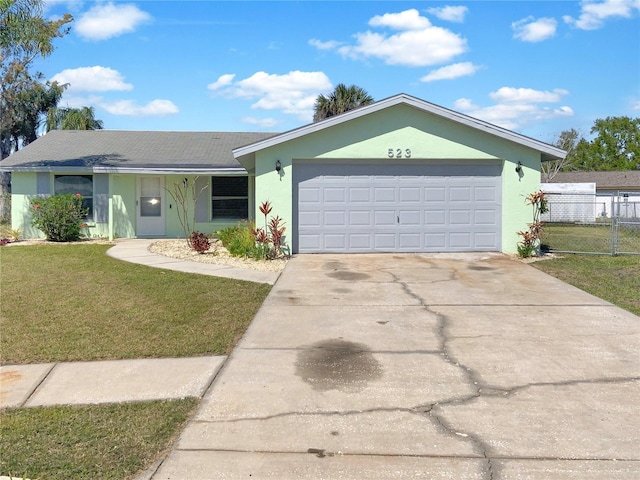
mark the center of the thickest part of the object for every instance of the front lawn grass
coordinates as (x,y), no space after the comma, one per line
(73,302)
(89,442)
(595,238)
(615,279)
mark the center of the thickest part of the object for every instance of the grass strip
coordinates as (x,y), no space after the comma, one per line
(73,302)
(615,279)
(98,442)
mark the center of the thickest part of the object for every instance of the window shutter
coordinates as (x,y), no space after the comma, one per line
(203,192)
(43,183)
(101,197)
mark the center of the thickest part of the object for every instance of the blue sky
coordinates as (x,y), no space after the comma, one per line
(534,67)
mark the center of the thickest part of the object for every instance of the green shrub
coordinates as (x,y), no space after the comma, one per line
(60,217)
(240,241)
(245,240)
(227,234)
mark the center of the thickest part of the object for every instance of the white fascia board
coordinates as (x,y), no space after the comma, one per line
(452,115)
(172,171)
(47,169)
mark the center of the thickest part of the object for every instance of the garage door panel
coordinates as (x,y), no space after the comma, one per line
(410,194)
(459,217)
(359,195)
(409,241)
(384,218)
(310,219)
(394,207)
(335,241)
(309,195)
(485,194)
(309,242)
(460,240)
(384,241)
(486,217)
(435,241)
(334,195)
(435,194)
(335,218)
(436,217)
(410,218)
(485,240)
(460,194)
(384,194)
(360,241)
(360,218)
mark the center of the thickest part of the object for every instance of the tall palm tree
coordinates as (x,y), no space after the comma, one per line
(341,100)
(73,119)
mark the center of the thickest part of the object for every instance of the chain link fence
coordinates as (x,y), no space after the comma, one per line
(592,223)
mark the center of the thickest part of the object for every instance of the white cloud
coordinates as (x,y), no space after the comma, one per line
(108,20)
(222,81)
(417,43)
(407,20)
(155,108)
(593,14)
(531,30)
(320,45)
(261,122)
(512,95)
(92,79)
(451,71)
(517,107)
(449,13)
(293,93)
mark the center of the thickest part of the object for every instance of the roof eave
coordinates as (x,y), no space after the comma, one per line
(130,170)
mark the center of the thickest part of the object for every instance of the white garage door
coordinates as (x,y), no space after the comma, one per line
(442,207)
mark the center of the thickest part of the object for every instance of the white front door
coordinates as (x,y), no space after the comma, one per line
(150,206)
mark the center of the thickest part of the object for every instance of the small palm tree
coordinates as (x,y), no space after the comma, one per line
(341,100)
(73,119)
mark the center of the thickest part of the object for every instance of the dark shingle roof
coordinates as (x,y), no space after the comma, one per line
(604,180)
(133,149)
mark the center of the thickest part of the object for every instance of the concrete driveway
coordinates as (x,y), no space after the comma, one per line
(422,366)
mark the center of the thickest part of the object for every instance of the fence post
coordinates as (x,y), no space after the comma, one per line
(614,225)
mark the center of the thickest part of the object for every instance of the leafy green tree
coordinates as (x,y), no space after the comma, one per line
(567,141)
(341,100)
(73,119)
(615,147)
(24,36)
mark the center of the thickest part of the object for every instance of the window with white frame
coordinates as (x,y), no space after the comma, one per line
(229,198)
(82,184)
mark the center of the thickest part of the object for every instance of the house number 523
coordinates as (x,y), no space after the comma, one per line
(399,153)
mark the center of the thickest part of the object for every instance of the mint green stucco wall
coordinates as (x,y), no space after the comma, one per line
(429,137)
(123,199)
(23,188)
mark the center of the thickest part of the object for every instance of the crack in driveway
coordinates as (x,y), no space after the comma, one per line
(475,381)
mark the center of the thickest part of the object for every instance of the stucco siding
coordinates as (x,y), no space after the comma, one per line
(417,137)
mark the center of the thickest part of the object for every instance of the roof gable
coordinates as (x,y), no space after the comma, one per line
(548,152)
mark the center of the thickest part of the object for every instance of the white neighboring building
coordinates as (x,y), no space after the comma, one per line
(570,202)
(618,190)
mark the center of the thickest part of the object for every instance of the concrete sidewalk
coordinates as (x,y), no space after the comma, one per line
(115,381)
(137,251)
